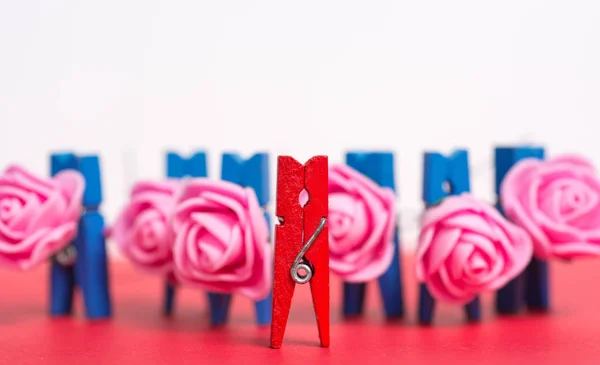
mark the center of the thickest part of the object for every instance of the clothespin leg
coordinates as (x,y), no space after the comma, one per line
(219,308)
(319,287)
(390,284)
(169,302)
(265,306)
(288,242)
(510,297)
(525,288)
(316,182)
(473,310)
(537,291)
(283,285)
(94,282)
(62,278)
(62,287)
(263,310)
(283,291)
(354,298)
(79,267)
(426,305)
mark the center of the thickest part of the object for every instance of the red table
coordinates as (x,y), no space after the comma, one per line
(138,334)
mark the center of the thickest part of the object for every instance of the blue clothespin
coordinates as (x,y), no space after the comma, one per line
(379,167)
(444,176)
(533,284)
(179,167)
(86,266)
(252,173)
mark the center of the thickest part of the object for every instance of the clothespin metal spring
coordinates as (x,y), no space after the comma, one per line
(300,263)
(67,256)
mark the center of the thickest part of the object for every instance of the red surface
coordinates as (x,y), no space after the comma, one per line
(292,178)
(139,335)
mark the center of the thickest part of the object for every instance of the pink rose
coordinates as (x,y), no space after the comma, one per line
(38,217)
(142,230)
(558,203)
(361,225)
(222,239)
(466,247)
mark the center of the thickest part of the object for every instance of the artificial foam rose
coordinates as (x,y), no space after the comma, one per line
(361,225)
(466,247)
(142,230)
(558,203)
(38,217)
(222,239)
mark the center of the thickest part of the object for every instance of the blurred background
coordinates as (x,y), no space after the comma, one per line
(130,79)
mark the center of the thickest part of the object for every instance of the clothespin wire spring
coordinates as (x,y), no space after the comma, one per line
(300,263)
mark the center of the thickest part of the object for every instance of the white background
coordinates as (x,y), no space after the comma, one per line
(130,78)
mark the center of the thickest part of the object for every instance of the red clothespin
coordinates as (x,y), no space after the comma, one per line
(301,242)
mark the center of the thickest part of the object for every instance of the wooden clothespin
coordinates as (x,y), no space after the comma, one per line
(443,176)
(249,173)
(301,242)
(83,264)
(379,167)
(179,167)
(533,285)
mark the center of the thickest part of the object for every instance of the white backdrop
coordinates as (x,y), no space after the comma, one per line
(131,78)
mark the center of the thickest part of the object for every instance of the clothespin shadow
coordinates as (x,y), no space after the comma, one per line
(379,167)
(84,263)
(301,242)
(532,286)
(444,176)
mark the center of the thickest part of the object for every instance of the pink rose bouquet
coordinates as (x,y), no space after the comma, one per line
(38,217)
(361,225)
(142,230)
(557,202)
(466,247)
(222,239)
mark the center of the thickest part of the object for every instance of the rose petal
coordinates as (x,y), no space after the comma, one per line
(50,242)
(482,242)
(425,241)
(234,253)
(358,228)
(446,240)
(29,182)
(193,244)
(16,228)
(217,224)
(258,222)
(454,288)
(484,281)
(569,250)
(575,161)
(372,268)
(48,214)
(71,184)
(437,289)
